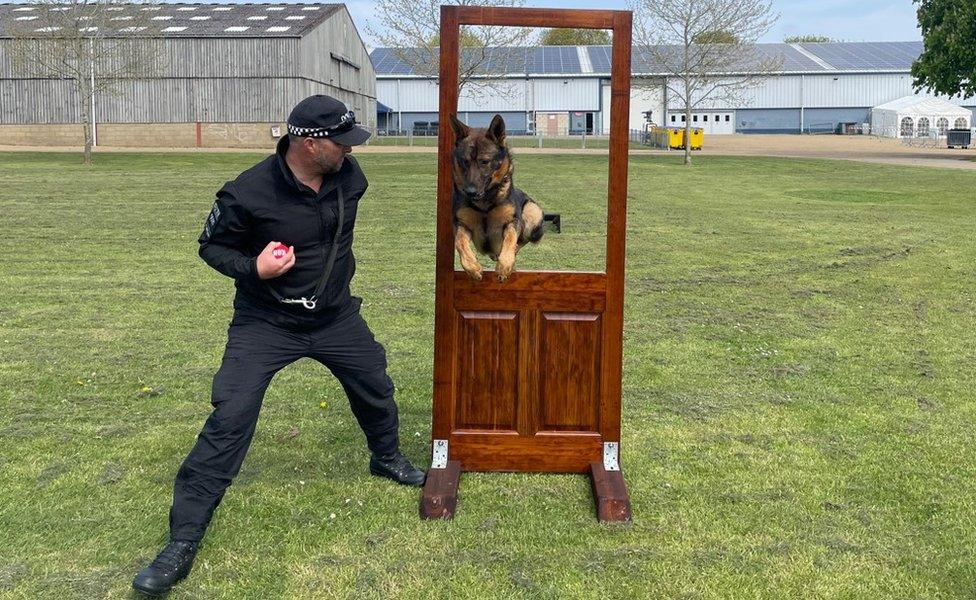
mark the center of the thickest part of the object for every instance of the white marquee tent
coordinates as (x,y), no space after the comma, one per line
(917,116)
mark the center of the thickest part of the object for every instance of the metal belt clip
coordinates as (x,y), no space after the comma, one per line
(308,303)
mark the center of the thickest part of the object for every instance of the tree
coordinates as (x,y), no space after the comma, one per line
(806,39)
(574,37)
(466,39)
(715,37)
(706,49)
(87,42)
(947,64)
(412,29)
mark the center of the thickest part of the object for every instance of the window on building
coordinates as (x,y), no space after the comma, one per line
(705,118)
(923,127)
(961,123)
(675,118)
(694,118)
(682,118)
(726,118)
(907,127)
(942,125)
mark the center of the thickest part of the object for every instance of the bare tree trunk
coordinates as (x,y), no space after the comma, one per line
(687,123)
(84,89)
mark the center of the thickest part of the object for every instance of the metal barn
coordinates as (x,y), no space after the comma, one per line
(229,75)
(817,88)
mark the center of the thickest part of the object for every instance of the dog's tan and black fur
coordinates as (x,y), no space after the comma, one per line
(488,209)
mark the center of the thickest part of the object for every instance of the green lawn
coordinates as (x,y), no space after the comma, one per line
(798,390)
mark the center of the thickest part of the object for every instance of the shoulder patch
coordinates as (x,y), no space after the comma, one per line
(211,221)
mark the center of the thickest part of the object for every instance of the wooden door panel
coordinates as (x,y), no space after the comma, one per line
(546,290)
(543,453)
(486,370)
(569,371)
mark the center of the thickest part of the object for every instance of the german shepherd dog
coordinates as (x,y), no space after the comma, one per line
(488,209)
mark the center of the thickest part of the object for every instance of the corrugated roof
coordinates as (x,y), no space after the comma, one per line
(519,59)
(190,20)
(794,58)
(855,56)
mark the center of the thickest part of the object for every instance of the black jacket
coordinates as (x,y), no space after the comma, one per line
(267,203)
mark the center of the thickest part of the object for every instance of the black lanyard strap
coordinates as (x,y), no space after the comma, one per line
(310,303)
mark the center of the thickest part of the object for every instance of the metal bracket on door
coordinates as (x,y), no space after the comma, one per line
(611,456)
(439,459)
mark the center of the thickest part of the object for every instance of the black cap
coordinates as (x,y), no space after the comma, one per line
(323,116)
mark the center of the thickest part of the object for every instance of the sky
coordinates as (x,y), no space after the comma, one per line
(846,20)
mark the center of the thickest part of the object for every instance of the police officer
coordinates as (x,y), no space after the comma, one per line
(291,303)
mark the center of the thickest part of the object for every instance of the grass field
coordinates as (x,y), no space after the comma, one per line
(798,390)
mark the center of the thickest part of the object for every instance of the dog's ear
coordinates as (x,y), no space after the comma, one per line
(461,130)
(496,130)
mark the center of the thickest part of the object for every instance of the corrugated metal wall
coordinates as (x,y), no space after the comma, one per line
(575,94)
(767,120)
(514,121)
(819,91)
(826,119)
(421,95)
(338,36)
(231,57)
(854,90)
(213,80)
(212,57)
(38,101)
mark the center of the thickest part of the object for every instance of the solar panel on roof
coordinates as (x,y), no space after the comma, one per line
(867,55)
(565,59)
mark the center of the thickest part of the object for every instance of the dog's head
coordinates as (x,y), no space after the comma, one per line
(482,163)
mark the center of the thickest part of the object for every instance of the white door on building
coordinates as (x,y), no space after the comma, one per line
(711,122)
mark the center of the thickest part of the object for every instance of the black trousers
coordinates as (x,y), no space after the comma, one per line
(256,350)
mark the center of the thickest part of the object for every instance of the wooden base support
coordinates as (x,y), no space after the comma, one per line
(439,499)
(610,494)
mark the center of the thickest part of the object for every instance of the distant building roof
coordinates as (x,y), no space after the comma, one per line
(595,60)
(193,20)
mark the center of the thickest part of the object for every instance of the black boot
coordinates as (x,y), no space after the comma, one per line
(172,565)
(396,467)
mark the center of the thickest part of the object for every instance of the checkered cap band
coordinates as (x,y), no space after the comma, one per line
(346,123)
(308,131)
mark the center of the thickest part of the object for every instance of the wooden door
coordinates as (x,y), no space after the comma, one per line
(552,124)
(527,373)
(524,372)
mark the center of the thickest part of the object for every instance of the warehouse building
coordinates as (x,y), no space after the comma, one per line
(562,90)
(228,75)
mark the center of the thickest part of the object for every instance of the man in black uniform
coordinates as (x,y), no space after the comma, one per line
(291,303)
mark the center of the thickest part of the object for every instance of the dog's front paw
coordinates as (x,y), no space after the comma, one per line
(473,270)
(503,272)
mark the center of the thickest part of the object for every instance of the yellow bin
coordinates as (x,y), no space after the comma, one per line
(676,138)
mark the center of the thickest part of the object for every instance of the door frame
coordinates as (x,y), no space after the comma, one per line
(601,293)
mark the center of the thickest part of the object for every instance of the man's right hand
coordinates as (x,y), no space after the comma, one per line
(270,267)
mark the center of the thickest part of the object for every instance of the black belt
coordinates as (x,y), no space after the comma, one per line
(310,303)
